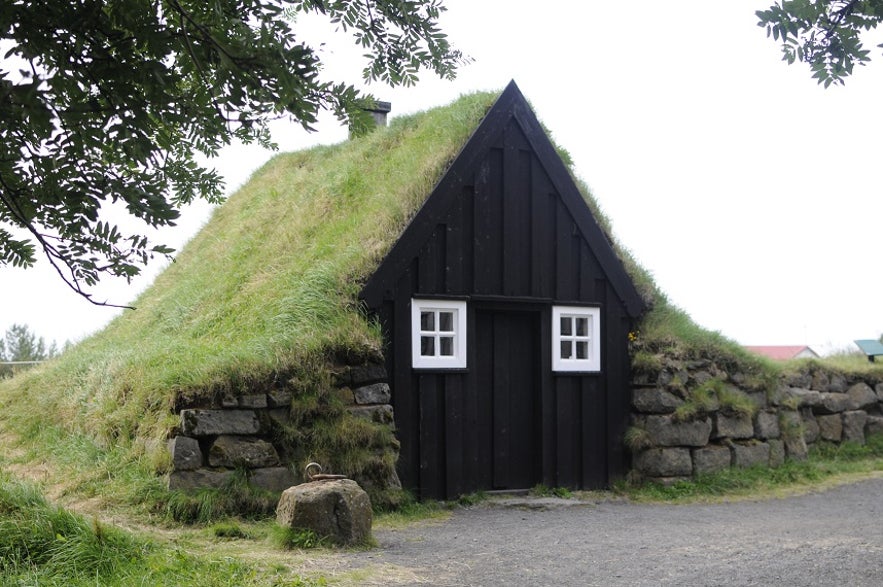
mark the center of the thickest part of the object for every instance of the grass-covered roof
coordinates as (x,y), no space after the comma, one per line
(268,288)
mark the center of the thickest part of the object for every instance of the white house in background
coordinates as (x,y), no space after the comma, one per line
(784,352)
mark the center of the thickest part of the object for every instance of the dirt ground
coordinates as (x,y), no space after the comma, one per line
(833,537)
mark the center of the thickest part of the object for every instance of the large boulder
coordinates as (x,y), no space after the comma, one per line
(336,509)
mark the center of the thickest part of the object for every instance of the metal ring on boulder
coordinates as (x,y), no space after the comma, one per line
(320,476)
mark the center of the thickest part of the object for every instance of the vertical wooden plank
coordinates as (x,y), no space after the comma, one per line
(455,469)
(542,245)
(467,236)
(502,416)
(405,387)
(432,437)
(618,391)
(548,404)
(568,442)
(589,274)
(483,390)
(488,224)
(431,269)
(522,397)
(566,261)
(454,253)
(516,227)
(594,433)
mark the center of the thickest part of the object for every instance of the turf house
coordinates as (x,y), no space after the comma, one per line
(432,306)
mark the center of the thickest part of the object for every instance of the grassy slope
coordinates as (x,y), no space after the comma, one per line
(247,299)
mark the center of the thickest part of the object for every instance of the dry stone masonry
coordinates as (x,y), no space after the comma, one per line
(216,439)
(691,417)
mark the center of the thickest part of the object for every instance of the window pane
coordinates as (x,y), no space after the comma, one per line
(427,321)
(446,346)
(582,326)
(427,346)
(566,326)
(582,349)
(446,321)
(566,349)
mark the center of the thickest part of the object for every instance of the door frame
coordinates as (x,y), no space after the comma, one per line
(539,314)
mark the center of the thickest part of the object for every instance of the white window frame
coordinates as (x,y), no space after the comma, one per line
(436,361)
(592,362)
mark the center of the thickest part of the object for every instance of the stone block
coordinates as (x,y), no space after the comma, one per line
(228,400)
(834,403)
(186,454)
(279,417)
(198,422)
(275,479)
(878,389)
(837,383)
(830,427)
(749,455)
(655,400)
(874,425)
(711,459)
(799,379)
(766,425)
(758,398)
(279,398)
(198,479)
(777,452)
(242,451)
(380,414)
(733,426)
(810,426)
(666,431)
(255,400)
(805,397)
(375,393)
(820,381)
(664,462)
(854,426)
(862,396)
(795,448)
(338,510)
(358,375)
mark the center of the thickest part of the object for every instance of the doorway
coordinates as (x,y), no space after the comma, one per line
(507,378)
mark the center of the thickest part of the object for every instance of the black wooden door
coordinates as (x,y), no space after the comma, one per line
(507,369)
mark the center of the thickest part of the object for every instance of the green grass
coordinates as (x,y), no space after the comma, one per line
(42,544)
(827,464)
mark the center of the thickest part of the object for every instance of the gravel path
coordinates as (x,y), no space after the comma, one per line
(829,538)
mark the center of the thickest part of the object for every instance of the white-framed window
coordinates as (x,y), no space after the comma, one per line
(576,338)
(438,334)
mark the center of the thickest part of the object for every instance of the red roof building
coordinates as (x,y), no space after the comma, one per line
(784,352)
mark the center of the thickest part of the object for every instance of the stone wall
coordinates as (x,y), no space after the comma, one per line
(219,439)
(694,416)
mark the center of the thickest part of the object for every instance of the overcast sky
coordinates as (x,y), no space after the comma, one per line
(749,192)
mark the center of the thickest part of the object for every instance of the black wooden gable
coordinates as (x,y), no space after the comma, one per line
(506,219)
(507,230)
